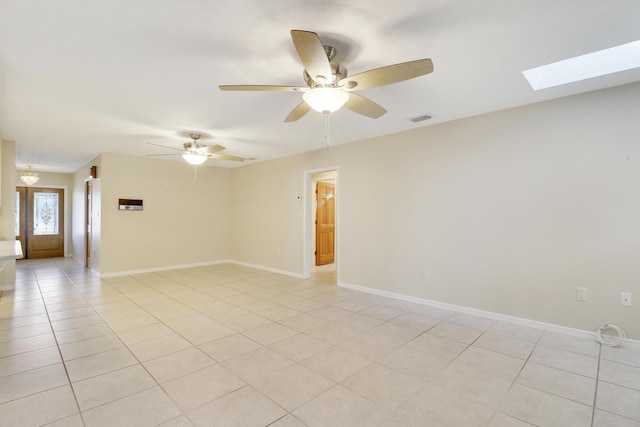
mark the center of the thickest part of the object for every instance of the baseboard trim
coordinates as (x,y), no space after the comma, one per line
(402,297)
(482,313)
(75,258)
(156,269)
(199,264)
(270,269)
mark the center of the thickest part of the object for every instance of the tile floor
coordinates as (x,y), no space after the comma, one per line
(228,345)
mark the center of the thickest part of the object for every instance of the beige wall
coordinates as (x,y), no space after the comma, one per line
(7,206)
(183,222)
(7,189)
(266,220)
(48,179)
(509,212)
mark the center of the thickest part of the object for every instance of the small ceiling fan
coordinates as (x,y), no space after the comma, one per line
(196,153)
(329,88)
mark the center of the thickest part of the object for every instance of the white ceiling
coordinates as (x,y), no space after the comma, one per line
(82,77)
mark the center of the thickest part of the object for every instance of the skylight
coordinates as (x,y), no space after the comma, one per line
(594,64)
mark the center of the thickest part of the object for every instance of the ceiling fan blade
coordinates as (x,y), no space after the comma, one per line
(259,88)
(164,146)
(312,54)
(226,157)
(160,155)
(298,112)
(210,149)
(387,75)
(364,106)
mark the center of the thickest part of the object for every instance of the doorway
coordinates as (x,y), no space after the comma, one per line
(321,218)
(40,221)
(87,215)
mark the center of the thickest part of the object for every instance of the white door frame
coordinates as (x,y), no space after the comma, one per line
(308,226)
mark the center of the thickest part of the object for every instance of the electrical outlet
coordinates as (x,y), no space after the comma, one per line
(426,273)
(581,294)
(625,298)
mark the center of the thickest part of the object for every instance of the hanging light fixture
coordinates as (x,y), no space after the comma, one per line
(195,153)
(325,99)
(29,177)
(195,158)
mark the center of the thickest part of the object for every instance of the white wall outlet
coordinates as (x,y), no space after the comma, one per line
(581,294)
(625,298)
(426,273)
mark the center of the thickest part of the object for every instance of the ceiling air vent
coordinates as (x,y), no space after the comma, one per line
(420,118)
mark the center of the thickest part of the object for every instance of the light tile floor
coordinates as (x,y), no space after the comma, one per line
(228,345)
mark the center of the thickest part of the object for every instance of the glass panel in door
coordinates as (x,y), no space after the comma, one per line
(45,214)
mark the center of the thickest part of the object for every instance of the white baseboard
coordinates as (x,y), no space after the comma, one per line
(156,269)
(482,313)
(422,301)
(78,260)
(200,264)
(270,269)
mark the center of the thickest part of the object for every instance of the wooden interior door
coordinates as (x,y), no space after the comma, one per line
(44,222)
(325,222)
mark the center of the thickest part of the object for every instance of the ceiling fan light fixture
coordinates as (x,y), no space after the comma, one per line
(195,158)
(29,177)
(325,99)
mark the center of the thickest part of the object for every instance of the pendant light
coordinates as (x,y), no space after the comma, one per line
(29,177)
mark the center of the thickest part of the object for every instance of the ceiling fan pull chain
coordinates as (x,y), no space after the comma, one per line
(326,130)
(195,173)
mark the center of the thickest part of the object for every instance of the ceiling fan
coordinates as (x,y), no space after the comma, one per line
(196,153)
(329,88)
